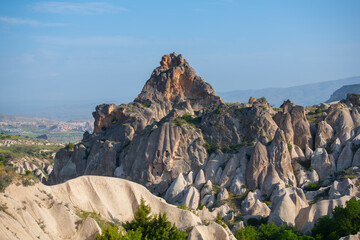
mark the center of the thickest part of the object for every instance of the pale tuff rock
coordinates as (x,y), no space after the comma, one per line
(190,177)
(345,159)
(322,164)
(294,124)
(324,132)
(342,188)
(207,189)
(303,176)
(299,152)
(36,214)
(308,152)
(212,232)
(286,205)
(229,172)
(283,120)
(308,216)
(267,173)
(191,198)
(238,226)
(252,205)
(351,237)
(336,148)
(223,195)
(218,175)
(208,200)
(340,119)
(178,139)
(258,162)
(312,195)
(238,183)
(175,192)
(200,179)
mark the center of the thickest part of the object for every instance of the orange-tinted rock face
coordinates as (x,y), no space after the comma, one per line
(252,100)
(175,80)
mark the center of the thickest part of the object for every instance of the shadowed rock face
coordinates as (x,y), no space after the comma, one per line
(180,140)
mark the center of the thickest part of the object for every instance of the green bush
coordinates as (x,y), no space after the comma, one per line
(310,186)
(218,110)
(145,226)
(5,181)
(345,221)
(113,233)
(157,227)
(289,146)
(270,231)
(70,146)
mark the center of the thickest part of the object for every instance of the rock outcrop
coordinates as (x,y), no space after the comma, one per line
(181,141)
(53,212)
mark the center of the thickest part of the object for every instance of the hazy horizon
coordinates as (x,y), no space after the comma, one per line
(72,52)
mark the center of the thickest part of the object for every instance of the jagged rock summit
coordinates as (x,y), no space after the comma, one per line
(174,82)
(182,142)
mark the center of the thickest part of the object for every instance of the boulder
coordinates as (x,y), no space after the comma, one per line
(308,216)
(207,189)
(190,177)
(229,172)
(200,179)
(343,188)
(191,198)
(324,132)
(175,192)
(322,164)
(351,237)
(238,184)
(345,159)
(223,195)
(252,205)
(286,205)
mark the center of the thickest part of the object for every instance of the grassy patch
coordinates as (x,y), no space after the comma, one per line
(189,120)
(314,115)
(96,216)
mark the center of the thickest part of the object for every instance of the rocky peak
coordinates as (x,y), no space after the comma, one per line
(172,60)
(175,81)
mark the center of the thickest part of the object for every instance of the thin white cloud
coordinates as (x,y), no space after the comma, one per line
(77,8)
(90,41)
(30,22)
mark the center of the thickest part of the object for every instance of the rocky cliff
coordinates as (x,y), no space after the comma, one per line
(181,141)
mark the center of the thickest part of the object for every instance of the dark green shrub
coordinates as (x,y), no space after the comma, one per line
(270,231)
(289,146)
(5,181)
(218,110)
(113,233)
(157,227)
(310,186)
(70,146)
(345,221)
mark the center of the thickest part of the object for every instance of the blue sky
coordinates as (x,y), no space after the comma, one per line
(75,51)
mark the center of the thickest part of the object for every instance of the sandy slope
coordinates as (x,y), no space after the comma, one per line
(49,212)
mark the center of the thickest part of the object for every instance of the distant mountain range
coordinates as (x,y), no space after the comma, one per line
(343,91)
(305,95)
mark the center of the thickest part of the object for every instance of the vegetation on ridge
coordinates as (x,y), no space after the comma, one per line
(344,221)
(144,226)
